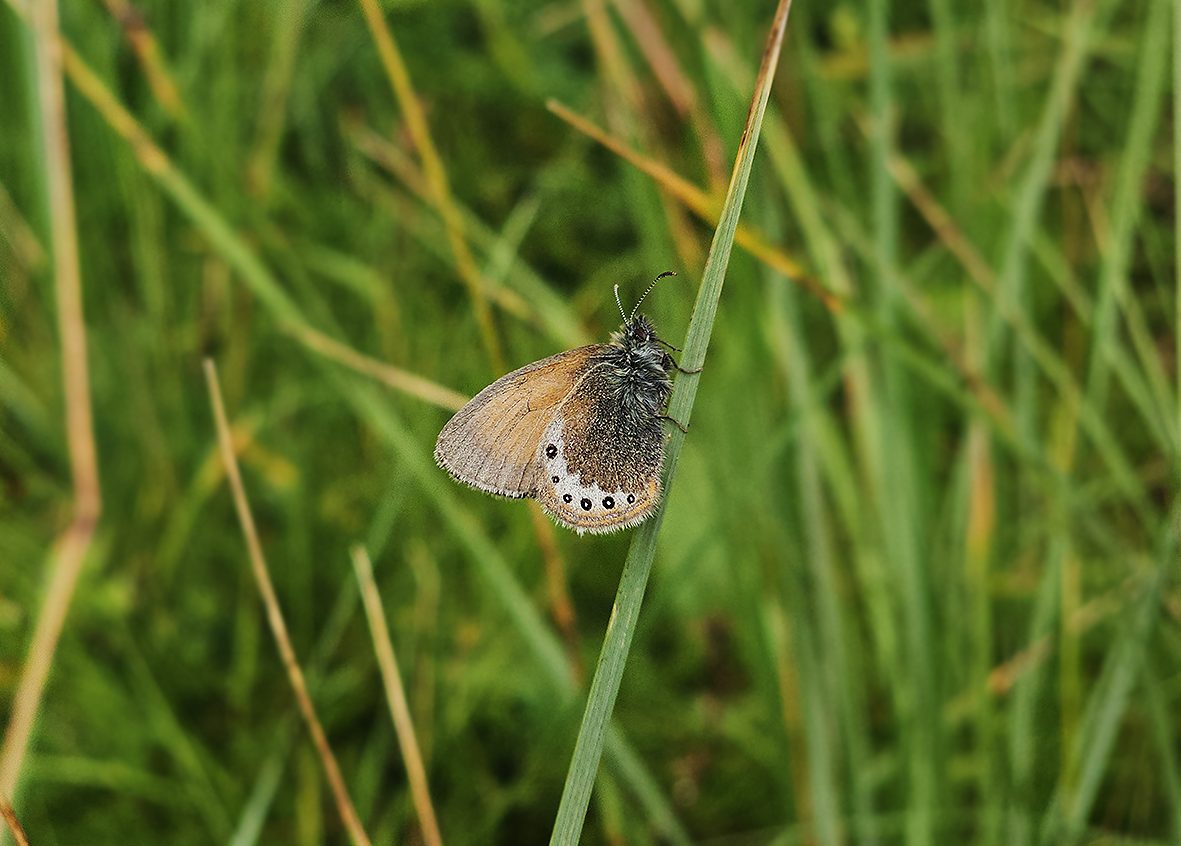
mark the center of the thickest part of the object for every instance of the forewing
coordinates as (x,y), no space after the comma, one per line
(603,471)
(492,443)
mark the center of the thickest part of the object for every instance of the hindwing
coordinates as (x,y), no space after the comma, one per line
(602,461)
(492,443)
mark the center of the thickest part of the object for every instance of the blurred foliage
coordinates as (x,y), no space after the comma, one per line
(916,582)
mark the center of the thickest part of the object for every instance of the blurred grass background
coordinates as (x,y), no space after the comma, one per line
(916,582)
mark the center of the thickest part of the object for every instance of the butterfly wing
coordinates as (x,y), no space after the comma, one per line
(601,465)
(494,442)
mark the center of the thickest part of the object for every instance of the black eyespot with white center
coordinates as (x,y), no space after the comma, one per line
(586,504)
(554,479)
(567,498)
(631,498)
(608,502)
(551,451)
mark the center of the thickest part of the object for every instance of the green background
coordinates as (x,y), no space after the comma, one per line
(916,580)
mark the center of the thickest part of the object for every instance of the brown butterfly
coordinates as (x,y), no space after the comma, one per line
(580,431)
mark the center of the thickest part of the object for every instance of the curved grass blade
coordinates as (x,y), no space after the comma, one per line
(589,748)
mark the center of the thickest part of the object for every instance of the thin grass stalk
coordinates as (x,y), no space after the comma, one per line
(816,434)
(588,749)
(395,694)
(344,802)
(624,105)
(436,175)
(540,642)
(1165,742)
(1030,195)
(895,474)
(650,40)
(546,307)
(1106,707)
(757,245)
(702,205)
(1126,210)
(147,50)
(270,771)
(231,246)
(1177,198)
(276,92)
(72,545)
(1022,729)
(387,374)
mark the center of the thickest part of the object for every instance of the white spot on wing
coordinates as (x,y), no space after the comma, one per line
(569,484)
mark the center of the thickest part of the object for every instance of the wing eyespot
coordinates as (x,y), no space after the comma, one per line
(567,498)
(608,502)
(631,498)
(551,451)
(586,504)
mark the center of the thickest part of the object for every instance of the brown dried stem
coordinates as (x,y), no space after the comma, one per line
(344,803)
(69,551)
(395,377)
(436,174)
(14,826)
(147,51)
(395,694)
(702,205)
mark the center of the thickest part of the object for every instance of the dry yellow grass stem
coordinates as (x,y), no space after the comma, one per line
(344,803)
(69,551)
(14,826)
(395,377)
(395,695)
(558,589)
(701,204)
(382,152)
(157,163)
(147,51)
(440,195)
(436,175)
(662,59)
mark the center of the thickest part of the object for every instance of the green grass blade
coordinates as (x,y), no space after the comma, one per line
(542,644)
(1106,712)
(1177,185)
(1126,212)
(1164,734)
(589,748)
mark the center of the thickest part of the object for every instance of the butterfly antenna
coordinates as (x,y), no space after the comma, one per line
(647,292)
(619,303)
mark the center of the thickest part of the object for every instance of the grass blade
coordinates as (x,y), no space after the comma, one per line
(344,802)
(74,542)
(1177,182)
(605,687)
(541,643)
(391,677)
(14,826)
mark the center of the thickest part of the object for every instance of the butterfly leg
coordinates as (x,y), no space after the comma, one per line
(668,359)
(678,423)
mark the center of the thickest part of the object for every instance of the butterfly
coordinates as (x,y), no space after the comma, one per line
(580,431)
